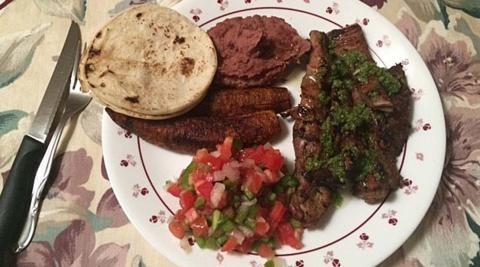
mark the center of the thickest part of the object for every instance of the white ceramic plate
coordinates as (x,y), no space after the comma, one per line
(357,234)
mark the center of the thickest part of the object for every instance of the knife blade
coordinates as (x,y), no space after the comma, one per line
(17,191)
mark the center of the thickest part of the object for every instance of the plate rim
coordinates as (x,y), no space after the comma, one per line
(441,148)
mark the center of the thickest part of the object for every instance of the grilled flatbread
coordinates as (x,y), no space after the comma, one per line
(149,62)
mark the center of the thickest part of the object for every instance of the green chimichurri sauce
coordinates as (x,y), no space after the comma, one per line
(350,162)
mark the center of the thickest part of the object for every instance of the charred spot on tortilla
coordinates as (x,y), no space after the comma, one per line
(99,35)
(89,68)
(179,40)
(187,65)
(132,99)
(94,52)
(139,15)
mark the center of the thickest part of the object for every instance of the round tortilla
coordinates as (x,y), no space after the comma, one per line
(149,62)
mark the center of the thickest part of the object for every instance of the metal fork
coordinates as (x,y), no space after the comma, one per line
(76,102)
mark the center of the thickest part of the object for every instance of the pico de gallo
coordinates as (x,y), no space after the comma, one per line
(235,199)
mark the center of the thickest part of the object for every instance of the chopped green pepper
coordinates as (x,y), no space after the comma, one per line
(252,212)
(200,242)
(242,214)
(250,223)
(269,263)
(289,181)
(184,182)
(200,203)
(249,195)
(217,216)
(211,243)
(221,240)
(228,226)
(295,223)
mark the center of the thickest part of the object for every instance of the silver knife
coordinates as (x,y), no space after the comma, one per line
(17,191)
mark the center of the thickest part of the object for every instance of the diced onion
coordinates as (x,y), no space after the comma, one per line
(229,170)
(191,215)
(215,153)
(248,163)
(249,203)
(219,176)
(216,194)
(247,232)
(239,236)
(185,245)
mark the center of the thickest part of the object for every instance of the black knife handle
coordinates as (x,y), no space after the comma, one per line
(17,194)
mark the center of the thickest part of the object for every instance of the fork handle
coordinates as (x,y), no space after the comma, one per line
(17,194)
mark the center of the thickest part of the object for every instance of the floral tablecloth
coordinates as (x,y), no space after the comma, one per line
(81,222)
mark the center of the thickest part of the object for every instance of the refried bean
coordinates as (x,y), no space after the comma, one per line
(255,51)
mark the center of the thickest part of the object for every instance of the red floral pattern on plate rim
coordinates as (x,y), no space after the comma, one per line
(391,216)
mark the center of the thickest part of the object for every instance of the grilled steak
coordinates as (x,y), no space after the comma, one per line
(350,126)
(390,138)
(312,198)
(188,134)
(233,102)
(349,39)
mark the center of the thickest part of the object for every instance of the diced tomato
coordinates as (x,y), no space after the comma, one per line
(225,149)
(180,215)
(253,181)
(294,242)
(262,212)
(246,245)
(277,212)
(223,201)
(261,228)
(209,177)
(191,215)
(272,159)
(204,189)
(287,236)
(197,175)
(199,227)
(202,156)
(215,163)
(230,245)
(255,153)
(187,199)
(177,229)
(174,189)
(265,251)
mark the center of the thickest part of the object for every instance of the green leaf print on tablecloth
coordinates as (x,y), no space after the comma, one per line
(9,120)
(476,229)
(427,10)
(16,52)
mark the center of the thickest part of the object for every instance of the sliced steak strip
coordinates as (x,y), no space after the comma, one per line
(311,199)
